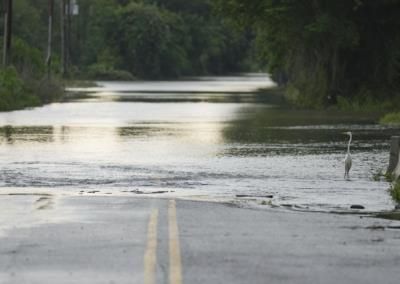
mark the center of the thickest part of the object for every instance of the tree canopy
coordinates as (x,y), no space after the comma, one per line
(326,50)
(150,39)
(323,51)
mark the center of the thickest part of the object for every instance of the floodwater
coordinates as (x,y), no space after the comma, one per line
(202,138)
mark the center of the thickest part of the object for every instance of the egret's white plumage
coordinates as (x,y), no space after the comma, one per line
(347,160)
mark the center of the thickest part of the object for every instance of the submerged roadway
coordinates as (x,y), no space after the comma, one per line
(108,239)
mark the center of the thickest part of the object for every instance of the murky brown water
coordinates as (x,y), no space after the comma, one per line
(189,138)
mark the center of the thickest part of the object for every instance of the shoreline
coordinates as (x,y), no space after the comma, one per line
(247,202)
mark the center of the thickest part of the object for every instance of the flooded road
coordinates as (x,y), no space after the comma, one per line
(210,138)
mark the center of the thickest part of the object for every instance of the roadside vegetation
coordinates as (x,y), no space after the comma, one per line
(395,191)
(13,92)
(394,187)
(24,83)
(327,53)
(392,118)
(18,93)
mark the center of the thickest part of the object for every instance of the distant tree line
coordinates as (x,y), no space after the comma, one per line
(326,51)
(161,38)
(111,39)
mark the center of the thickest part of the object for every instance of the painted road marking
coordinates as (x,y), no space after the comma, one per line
(150,255)
(175,267)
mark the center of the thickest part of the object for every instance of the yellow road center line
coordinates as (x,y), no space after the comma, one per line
(175,267)
(150,255)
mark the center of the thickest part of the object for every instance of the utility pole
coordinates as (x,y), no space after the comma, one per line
(50,38)
(68,9)
(8,5)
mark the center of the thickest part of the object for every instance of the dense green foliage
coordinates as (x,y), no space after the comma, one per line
(159,39)
(124,39)
(324,49)
(117,39)
(20,89)
(12,92)
(344,52)
(24,84)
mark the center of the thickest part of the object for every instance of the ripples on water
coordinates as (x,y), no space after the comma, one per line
(195,147)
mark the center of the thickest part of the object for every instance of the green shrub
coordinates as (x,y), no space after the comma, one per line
(27,60)
(13,93)
(395,191)
(47,91)
(22,84)
(368,101)
(16,93)
(391,119)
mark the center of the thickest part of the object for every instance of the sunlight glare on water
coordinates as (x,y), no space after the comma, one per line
(215,149)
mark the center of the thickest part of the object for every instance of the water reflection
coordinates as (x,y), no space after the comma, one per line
(301,132)
(214,149)
(245,83)
(11,135)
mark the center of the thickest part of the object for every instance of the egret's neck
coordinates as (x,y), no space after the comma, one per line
(348,145)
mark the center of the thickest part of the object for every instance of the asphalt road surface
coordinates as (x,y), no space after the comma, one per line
(108,239)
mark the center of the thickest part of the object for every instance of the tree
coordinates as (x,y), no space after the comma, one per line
(50,38)
(8,21)
(325,49)
(143,35)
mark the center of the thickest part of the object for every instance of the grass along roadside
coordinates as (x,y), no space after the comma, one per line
(395,191)
(392,118)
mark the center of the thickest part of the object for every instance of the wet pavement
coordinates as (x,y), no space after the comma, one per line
(109,239)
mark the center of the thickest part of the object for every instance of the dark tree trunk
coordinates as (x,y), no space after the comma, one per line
(50,38)
(63,37)
(8,7)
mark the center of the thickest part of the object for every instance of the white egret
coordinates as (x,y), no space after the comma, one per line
(347,160)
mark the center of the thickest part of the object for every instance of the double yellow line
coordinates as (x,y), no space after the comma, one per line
(150,256)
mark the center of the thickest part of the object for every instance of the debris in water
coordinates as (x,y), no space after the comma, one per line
(254,196)
(356,206)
